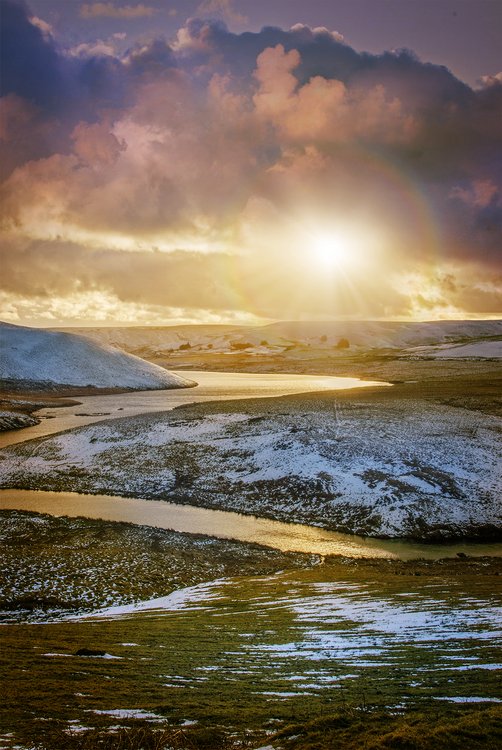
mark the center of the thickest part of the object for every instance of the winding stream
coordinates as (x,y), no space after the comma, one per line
(288,537)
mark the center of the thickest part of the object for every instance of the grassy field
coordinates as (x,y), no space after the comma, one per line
(348,654)
(52,566)
(300,659)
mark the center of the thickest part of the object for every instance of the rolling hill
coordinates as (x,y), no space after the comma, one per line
(38,358)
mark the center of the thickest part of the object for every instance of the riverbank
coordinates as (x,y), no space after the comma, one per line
(373,462)
(17,410)
(53,567)
(57,415)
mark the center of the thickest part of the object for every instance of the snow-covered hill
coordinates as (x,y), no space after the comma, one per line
(397,467)
(277,337)
(37,357)
(474,350)
(371,334)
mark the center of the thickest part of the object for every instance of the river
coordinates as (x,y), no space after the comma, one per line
(288,537)
(211,386)
(159,514)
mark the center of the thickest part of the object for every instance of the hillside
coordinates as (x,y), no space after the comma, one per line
(276,338)
(36,358)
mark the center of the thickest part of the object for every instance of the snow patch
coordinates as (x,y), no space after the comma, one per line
(128,713)
(469,699)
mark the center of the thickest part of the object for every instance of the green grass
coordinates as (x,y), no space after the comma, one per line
(59,564)
(218,662)
(139,737)
(433,729)
(349,729)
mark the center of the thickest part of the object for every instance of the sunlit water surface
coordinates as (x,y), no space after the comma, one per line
(226,525)
(211,386)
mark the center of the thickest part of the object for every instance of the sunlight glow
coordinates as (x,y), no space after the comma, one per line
(199,240)
(331,250)
(337,249)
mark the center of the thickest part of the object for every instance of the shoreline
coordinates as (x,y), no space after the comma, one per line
(454,397)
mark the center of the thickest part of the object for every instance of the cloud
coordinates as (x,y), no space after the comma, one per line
(45,28)
(492,80)
(317,31)
(38,70)
(66,275)
(325,109)
(222,9)
(194,174)
(97,48)
(31,65)
(480,193)
(24,133)
(109,10)
(96,145)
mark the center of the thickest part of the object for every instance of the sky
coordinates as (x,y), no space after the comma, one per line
(181,161)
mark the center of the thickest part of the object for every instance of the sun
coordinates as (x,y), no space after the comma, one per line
(348,249)
(333,250)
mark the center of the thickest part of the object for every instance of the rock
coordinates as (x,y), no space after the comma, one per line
(13,420)
(89,652)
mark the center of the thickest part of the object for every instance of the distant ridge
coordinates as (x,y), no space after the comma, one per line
(158,340)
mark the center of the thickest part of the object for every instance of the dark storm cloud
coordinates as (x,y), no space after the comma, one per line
(37,69)
(34,67)
(45,91)
(323,53)
(31,65)
(155,58)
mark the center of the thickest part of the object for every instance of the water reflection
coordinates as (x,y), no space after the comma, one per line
(226,525)
(212,386)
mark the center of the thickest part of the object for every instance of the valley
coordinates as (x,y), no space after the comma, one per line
(197,640)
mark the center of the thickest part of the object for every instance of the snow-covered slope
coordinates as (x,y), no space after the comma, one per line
(277,337)
(475,350)
(39,356)
(373,334)
(378,468)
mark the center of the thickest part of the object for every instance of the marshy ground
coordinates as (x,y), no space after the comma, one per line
(297,659)
(341,653)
